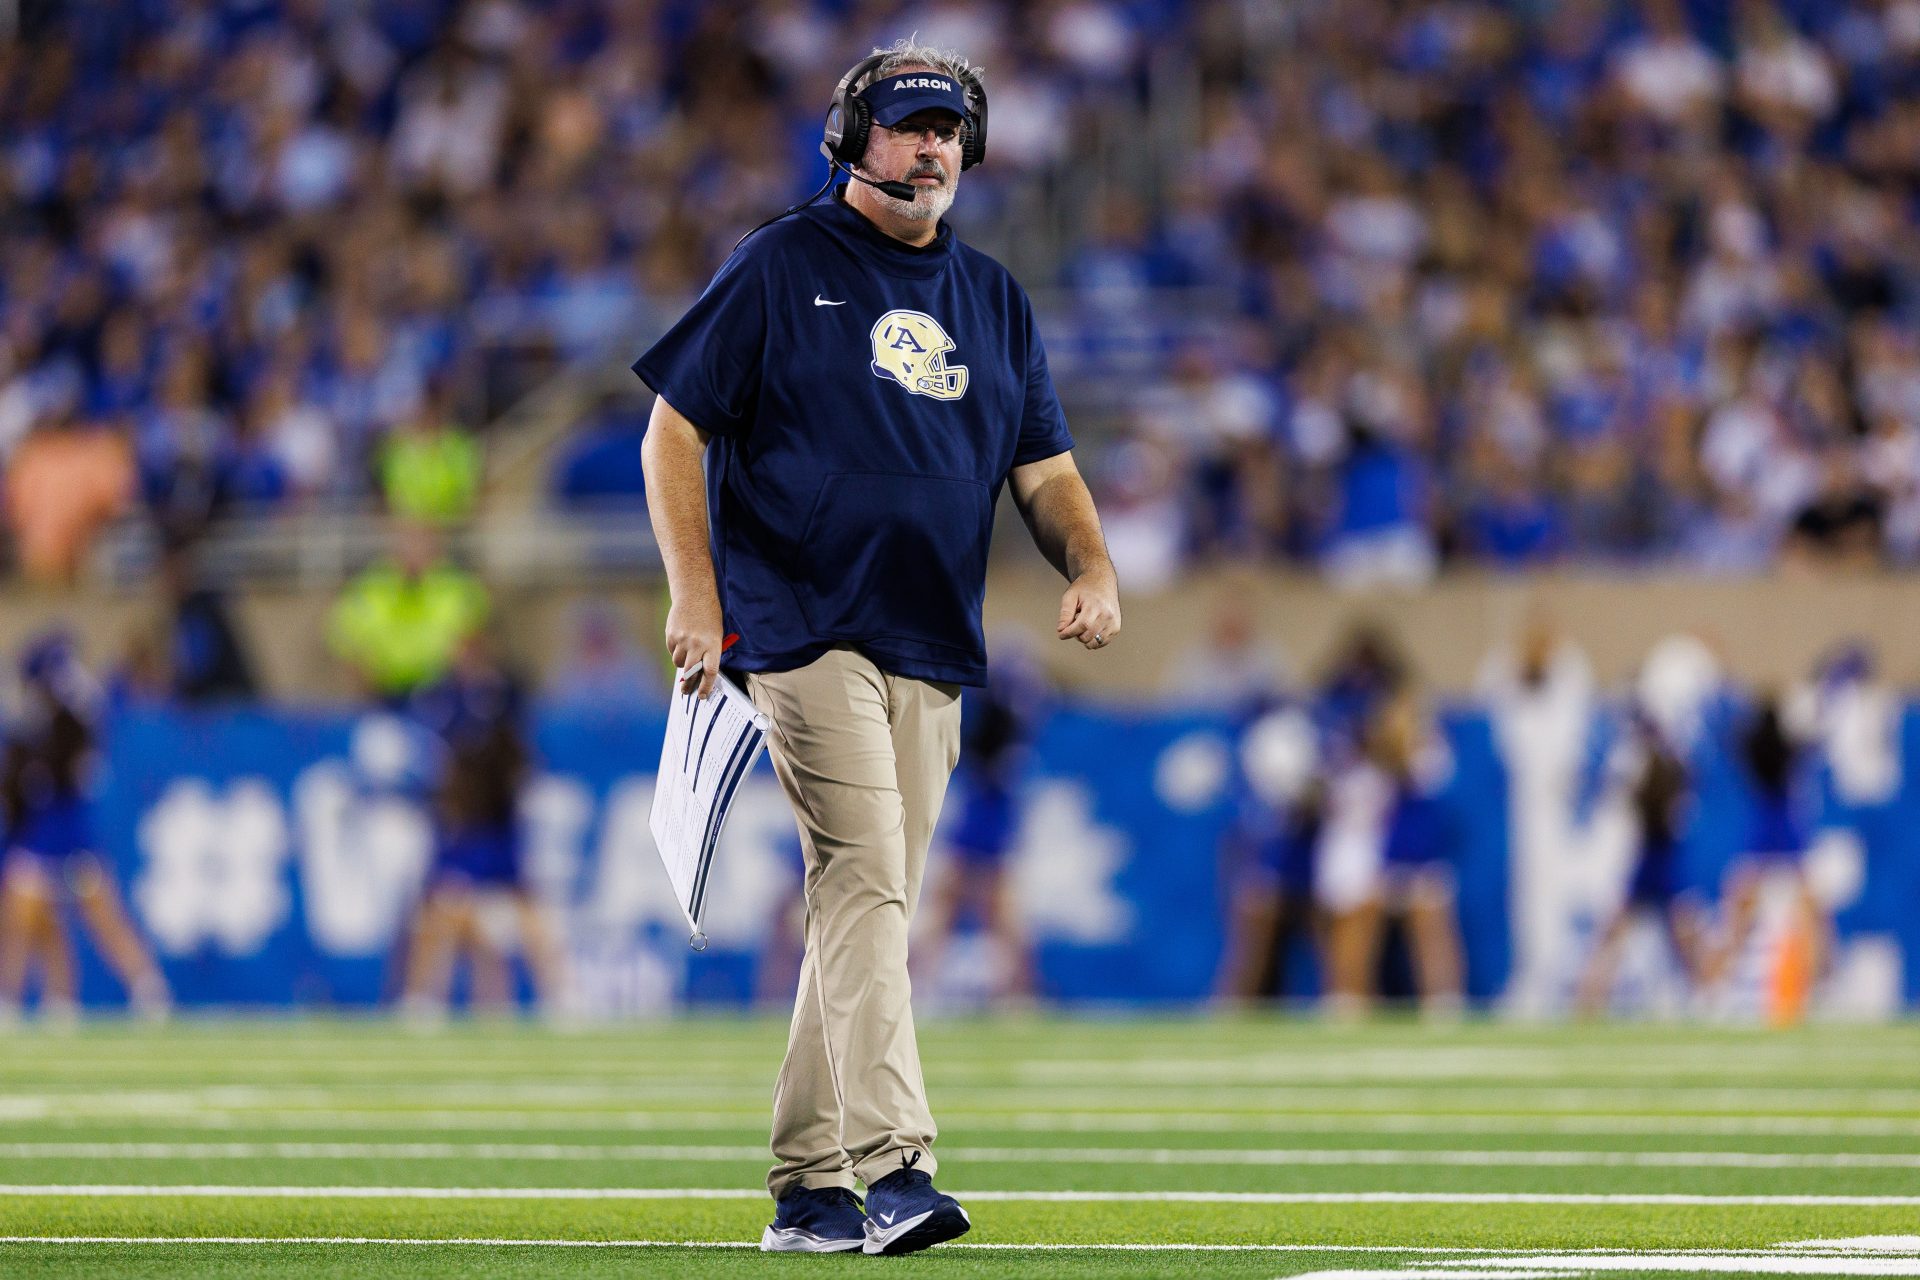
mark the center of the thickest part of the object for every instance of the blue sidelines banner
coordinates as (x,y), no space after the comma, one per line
(274,858)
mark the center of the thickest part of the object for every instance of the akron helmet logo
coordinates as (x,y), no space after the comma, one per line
(911,348)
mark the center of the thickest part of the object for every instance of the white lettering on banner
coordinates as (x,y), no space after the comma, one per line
(923,82)
(1064,866)
(556,813)
(753,869)
(630,886)
(629,941)
(213,867)
(1191,774)
(362,859)
(216,869)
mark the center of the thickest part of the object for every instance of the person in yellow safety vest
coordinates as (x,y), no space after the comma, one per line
(401,621)
(429,467)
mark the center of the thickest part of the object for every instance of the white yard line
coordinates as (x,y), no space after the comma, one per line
(1055,1197)
(1265,1156)
(1323,1068)
(1155,1247)
(1788,1261)
(1791,1100)
(1466,1122)
(1043,1246)
(42,1110)
(1439,1063)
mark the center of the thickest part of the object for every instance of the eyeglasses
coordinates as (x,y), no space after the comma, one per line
(944,134)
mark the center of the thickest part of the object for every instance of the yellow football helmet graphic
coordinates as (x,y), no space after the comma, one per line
(911,348)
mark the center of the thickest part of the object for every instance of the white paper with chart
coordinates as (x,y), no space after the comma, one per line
(710,748)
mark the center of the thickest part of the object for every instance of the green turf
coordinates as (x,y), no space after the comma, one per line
(1026,1105)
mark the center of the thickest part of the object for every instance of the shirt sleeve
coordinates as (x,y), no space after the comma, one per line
(707,365)
(1043,423)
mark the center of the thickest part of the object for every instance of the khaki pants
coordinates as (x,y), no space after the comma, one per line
(864,757)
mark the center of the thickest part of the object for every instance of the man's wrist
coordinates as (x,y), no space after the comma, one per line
(1100,571)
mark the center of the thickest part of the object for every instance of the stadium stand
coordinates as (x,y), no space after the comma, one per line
(1368,286)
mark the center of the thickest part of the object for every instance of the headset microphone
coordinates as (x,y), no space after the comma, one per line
(898,190)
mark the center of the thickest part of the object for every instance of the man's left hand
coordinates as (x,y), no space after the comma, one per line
(1090,610)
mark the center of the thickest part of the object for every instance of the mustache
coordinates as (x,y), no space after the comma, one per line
(927,169)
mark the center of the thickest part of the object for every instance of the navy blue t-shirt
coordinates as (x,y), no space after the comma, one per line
(866,400)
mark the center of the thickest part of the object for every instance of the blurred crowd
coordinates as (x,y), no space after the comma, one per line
(250,248)
(1523,283)
(1372,286)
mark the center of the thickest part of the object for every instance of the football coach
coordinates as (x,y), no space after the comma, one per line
(859,384)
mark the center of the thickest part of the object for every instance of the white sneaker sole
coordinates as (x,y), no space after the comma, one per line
(922,1231)
(798,1240)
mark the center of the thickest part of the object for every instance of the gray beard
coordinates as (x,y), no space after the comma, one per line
(929,205)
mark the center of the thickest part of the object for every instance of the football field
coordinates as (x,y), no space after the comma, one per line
(1082,1147)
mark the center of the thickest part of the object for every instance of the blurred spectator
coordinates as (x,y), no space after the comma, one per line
(63,485)
(1390,833)
(1852,718)
(144,677)
(399,624)
(1222,422)
(207,661)
(1840,526)
(1666,72)
(1513,522)
(1782,809)
(1367,673)
(429,467)
(1268,854)
(1540,695)
(1140,509)
(1230,666)
(50,857)
(1659,788)
(475,713)
(1382,538)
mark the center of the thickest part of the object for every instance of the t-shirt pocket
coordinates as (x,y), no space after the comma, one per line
(893,556)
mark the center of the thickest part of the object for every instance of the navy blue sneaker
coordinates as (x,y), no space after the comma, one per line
(826,1220)
(905,1213)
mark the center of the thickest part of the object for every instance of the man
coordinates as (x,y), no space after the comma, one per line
(861,384)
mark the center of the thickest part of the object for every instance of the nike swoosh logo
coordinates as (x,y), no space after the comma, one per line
(819,301)
(885,1217)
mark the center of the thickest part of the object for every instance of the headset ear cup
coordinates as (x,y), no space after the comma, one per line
(834,131)
(843,139)
(976,149)
(858,126)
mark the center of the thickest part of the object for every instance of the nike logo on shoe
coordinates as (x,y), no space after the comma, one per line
(910,1235)
(819,301)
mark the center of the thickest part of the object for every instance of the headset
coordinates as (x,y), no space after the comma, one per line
(849,124)
(850,118)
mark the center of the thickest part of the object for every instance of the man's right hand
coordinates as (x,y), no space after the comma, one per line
(695,637)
